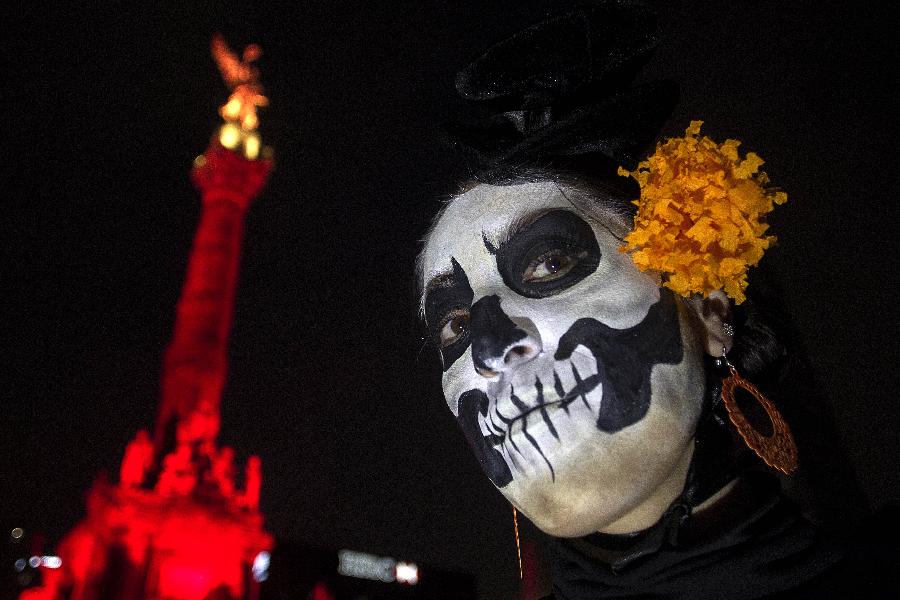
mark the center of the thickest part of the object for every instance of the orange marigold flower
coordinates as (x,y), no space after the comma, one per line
(701,214)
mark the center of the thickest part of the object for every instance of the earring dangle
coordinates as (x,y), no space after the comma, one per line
(778,450)
(518,546)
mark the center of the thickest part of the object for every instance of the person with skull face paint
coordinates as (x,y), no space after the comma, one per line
(589,392)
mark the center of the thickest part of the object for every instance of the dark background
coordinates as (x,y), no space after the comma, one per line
(105,107)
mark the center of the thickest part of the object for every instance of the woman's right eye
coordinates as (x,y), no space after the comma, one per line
(455,326)
(551,266)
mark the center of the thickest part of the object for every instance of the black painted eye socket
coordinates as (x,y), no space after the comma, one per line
(454,327)
(447,313)
(550,255)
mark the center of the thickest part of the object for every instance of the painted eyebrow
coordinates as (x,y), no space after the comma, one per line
(525,221)
(513,227)
(442,280)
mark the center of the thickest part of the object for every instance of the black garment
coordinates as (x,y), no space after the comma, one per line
(752,545)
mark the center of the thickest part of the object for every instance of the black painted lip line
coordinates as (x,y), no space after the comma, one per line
(583,388)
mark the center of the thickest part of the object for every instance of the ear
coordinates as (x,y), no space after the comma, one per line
(713,313)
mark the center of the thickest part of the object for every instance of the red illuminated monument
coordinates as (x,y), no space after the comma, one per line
(178,525)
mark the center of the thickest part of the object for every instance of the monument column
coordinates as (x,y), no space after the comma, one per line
(229,175)
(177,526)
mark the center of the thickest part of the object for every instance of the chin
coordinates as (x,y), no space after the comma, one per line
(566,512)
(609,487)
(565,519)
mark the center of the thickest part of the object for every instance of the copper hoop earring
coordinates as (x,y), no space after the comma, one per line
(778,450)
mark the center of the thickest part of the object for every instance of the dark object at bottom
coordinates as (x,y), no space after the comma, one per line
(758,547)
(298,572)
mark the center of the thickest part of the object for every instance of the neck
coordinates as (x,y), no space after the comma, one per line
(652,508)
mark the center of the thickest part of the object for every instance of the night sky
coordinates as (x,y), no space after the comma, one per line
(106,105)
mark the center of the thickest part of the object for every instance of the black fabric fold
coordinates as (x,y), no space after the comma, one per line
(765,549)
(616,128)
(559,95)
(604,44)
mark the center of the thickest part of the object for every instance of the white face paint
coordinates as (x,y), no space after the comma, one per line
(577,381)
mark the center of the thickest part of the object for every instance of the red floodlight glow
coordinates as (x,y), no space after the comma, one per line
(176,525)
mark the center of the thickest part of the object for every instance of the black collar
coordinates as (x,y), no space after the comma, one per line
(751,544)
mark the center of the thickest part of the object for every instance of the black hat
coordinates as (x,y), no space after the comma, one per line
(560,95)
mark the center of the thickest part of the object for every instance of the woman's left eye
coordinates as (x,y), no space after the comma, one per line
(551,266)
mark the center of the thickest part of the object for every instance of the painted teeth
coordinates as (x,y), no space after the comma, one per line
(549,390)
(520,420)
(557,385)
(566,385)
(513,413)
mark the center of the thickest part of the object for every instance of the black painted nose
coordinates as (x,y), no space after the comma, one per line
(498,344)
